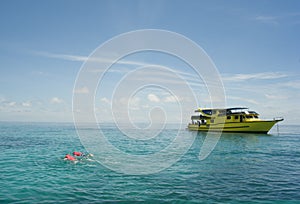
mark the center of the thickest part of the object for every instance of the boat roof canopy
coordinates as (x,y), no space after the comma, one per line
(226,109)
(238,108)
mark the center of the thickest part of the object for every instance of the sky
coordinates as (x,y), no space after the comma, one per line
(254,45)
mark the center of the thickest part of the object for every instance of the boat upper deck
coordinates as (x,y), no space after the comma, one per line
(226,111)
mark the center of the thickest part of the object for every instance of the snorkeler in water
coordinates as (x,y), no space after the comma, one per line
(80,154)
(69,157)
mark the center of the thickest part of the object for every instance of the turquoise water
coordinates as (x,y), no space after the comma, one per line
(243,167)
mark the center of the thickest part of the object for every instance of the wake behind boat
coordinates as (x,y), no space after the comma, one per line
(237,119)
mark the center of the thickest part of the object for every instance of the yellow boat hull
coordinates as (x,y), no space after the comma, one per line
(261,126)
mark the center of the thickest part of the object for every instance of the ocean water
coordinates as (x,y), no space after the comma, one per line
(242,168)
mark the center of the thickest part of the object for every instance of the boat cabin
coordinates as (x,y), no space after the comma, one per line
(231,115)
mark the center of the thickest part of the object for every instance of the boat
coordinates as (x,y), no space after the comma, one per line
(238,119)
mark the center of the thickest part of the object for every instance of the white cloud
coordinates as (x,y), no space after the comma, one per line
(26,104)
(134,100)
(253,76)
(134,103)
(164,76)
(277,97)
(62,56)
(170,99)
(267,19)
(85,58)
(284,18)
(292,84)
(83,90)
(153,98)
(105,100)
(145,106)
(12,103)
(56,100)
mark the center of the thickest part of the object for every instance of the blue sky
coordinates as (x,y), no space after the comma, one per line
(254,44)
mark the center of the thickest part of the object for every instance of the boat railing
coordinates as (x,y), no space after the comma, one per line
(278,118)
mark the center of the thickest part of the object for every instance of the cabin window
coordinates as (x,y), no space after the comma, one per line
(228,117)
(208,112)
(212,121)
(248,116)
(255,116)
(236,117)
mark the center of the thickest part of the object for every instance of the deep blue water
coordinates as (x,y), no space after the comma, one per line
(242,168)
